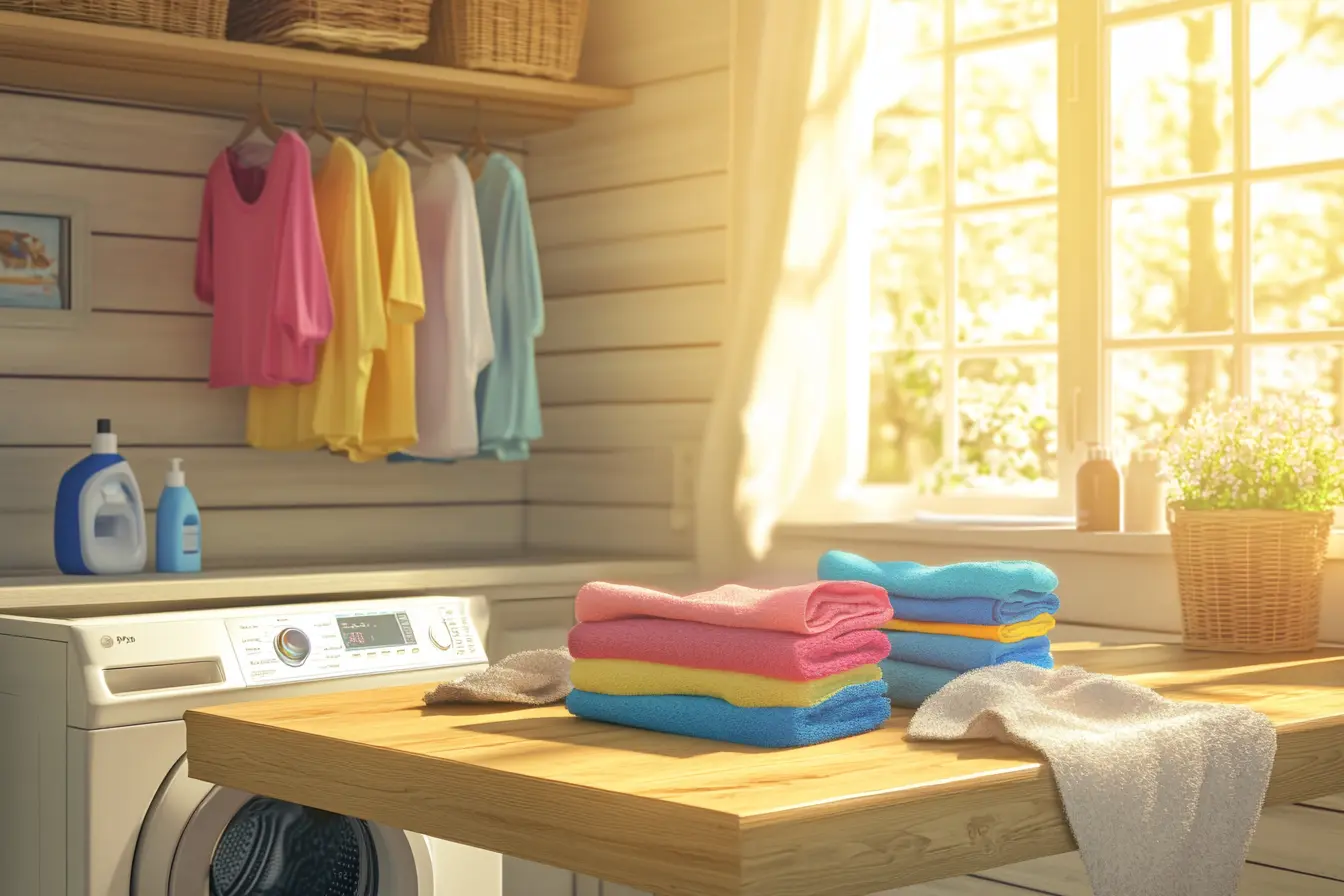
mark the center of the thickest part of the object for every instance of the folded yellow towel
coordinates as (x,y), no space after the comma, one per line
(1004,634)
(633,678)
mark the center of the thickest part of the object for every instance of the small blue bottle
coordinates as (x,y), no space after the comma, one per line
(177,546)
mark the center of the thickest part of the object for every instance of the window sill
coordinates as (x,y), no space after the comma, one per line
(1024,537)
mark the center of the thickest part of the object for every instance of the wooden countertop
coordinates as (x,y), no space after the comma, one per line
(685,817)
(57,595)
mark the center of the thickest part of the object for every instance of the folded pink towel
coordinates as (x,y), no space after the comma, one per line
(800,609)
(698,645)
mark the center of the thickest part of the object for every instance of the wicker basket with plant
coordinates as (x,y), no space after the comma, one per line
(1255,491)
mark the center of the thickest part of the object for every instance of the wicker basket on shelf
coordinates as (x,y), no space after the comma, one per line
(198,18)
(1250,580)
(360,26)
(540,38)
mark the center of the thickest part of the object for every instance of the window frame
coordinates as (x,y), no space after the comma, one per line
(836,490)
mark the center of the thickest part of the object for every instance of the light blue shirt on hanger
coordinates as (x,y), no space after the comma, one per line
(508,405)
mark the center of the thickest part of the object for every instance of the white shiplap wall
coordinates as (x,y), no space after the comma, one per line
(630,209)
(142,360)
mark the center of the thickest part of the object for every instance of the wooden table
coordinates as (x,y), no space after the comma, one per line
(685,817)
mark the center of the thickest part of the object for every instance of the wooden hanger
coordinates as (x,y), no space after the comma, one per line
(409,134)
(316,126)
(478,152)
(259,120)
(367,129)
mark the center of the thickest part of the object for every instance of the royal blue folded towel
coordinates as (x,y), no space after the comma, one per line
(852,710)
(975,610)
(910,684)
(1006,580)
(961,654)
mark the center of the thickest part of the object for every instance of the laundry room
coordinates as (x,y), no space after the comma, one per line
(363,360)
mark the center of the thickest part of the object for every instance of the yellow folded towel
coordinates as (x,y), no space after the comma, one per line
(633,678)
(1004,634)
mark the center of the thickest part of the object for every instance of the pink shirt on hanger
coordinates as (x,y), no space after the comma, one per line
(259,262)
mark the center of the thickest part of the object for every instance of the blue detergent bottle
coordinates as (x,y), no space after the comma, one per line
(177,543)
(100,516)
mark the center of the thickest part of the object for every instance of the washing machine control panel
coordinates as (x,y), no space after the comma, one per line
(297,645)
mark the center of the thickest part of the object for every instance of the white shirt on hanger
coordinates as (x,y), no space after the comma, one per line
(454,342)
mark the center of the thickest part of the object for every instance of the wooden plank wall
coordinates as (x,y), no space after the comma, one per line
(630,209)
(142,361)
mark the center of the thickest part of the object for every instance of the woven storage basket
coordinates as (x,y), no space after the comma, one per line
(542,38)
(1250,580)
(361,26)
(198,18)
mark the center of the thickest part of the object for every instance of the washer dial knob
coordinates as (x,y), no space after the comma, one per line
(292,646)
(440,636)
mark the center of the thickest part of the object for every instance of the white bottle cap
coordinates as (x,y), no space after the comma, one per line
(175,478)
(104,440)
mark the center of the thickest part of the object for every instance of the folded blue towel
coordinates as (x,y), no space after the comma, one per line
(853,710)
(1006,580)
(975,610)
(910,684)
(961,654)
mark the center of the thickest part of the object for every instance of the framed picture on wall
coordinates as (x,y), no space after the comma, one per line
(44,250)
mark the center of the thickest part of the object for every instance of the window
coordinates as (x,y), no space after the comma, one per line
(1083,258)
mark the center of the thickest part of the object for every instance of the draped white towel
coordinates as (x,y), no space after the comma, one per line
(1162,795)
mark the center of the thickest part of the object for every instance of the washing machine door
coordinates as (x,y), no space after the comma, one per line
(201,840)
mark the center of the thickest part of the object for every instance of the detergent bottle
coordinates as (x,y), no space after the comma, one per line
(177,544)
(100,516)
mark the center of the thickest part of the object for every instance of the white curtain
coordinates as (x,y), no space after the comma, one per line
(802,141)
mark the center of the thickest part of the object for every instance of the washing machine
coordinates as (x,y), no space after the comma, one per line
(96,795)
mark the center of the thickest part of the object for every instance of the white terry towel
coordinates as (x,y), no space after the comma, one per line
(1161,795)
(533,678)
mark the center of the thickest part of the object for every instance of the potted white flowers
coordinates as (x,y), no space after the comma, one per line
(1255,489)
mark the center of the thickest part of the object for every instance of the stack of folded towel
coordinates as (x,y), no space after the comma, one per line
(769,668)
(951,619)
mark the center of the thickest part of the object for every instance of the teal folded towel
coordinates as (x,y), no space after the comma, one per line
(910,684)
(1006,580)
(960,654)
(852,710)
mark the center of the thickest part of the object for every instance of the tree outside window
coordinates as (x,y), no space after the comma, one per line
(1093,221)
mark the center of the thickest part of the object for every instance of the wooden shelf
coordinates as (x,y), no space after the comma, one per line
(147,67)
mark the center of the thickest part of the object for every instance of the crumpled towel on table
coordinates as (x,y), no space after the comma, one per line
(1162,795)
(530,678)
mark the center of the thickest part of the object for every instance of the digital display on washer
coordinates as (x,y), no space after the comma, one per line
(375,630)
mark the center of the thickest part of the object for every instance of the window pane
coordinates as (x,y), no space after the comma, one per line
(908,284)
(905,421)
(908,137)
(1171,97)
(1294,369)
(1007,126)
(1007,412)
(1297,81)
(1008,276)
(910,26)
(1122,5)
(985,18)
(1297,253)
(1171,263)
(1153,391)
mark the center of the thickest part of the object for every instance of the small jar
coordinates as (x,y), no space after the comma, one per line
(1145,493)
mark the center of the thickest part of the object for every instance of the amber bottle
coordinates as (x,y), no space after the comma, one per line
(1098,492)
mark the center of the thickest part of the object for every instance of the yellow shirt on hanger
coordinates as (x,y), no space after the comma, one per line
(330,410)
(389,415)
